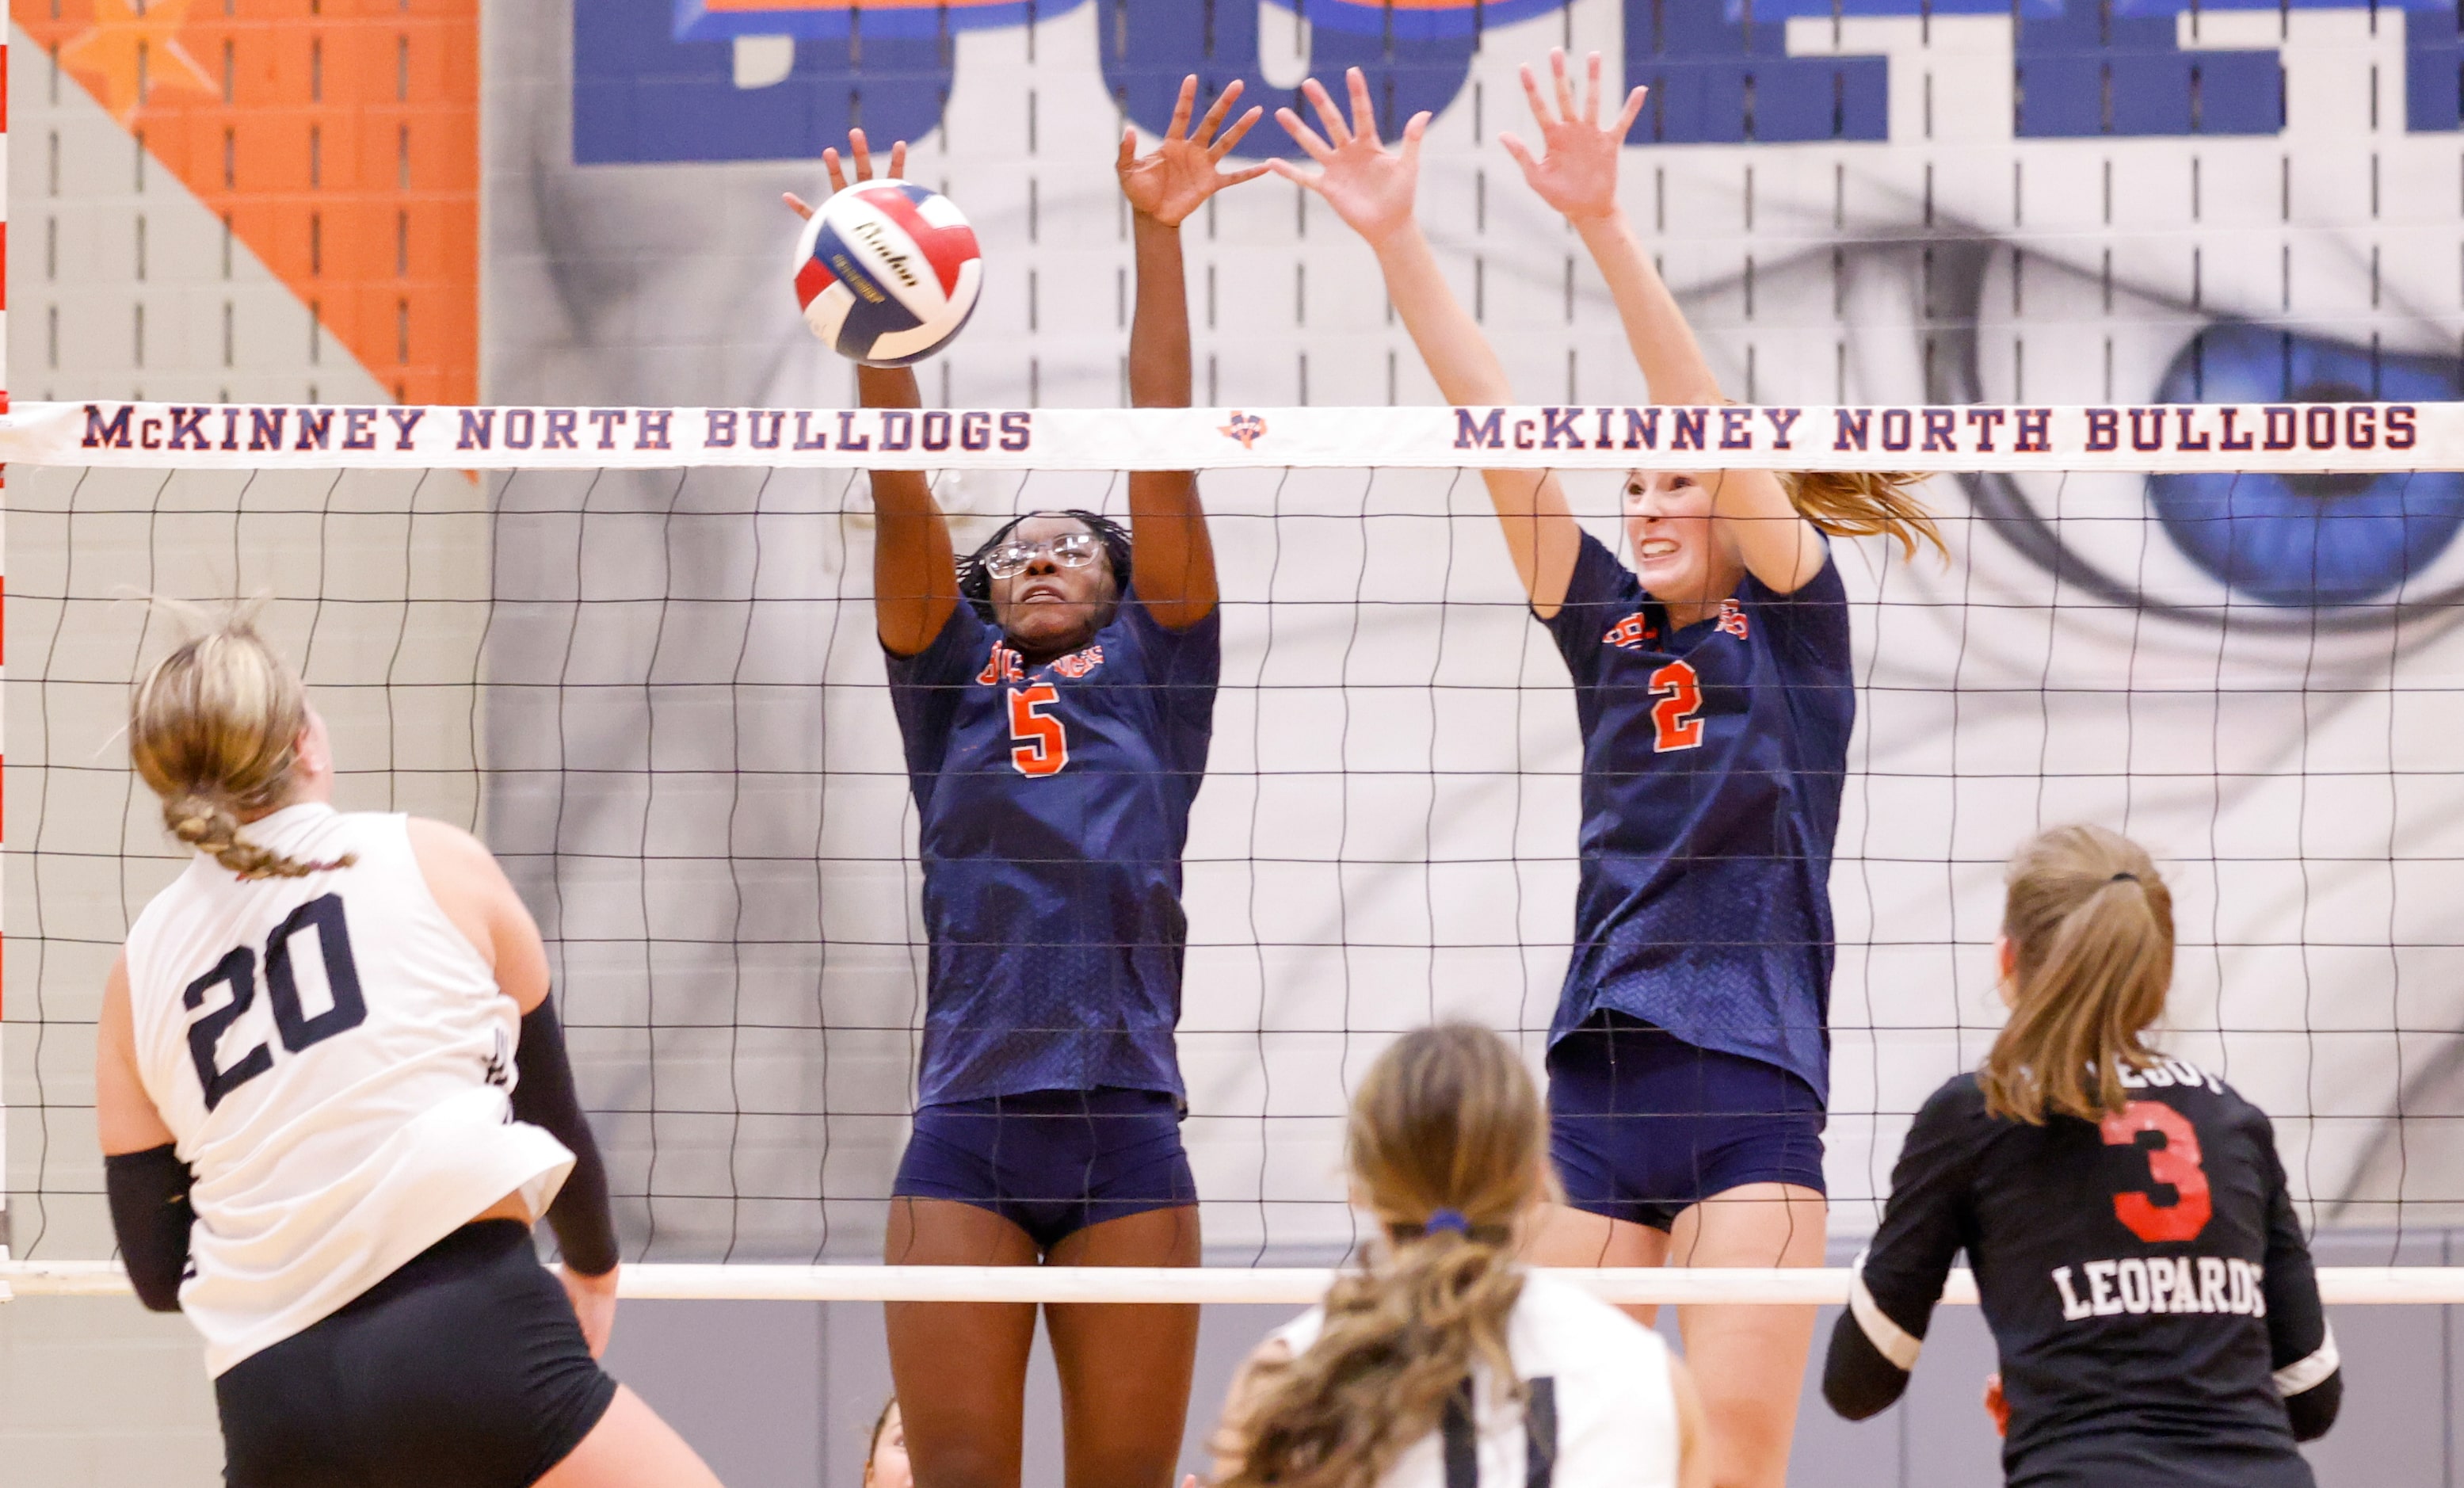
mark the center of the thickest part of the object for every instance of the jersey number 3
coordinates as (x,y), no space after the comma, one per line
(299,1027)
(1675,719)
(2175,1164)
(1038,745)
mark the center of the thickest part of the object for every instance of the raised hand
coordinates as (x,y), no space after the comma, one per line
(1170,183)
(1370,186)
(1578,176)
(838,168)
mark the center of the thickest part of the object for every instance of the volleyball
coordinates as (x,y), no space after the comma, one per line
(888,271)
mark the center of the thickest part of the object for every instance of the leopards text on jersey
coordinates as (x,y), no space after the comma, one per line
(334,1060)
(1055,803)
(1598,1408)
(1713,759)
(2146,1282)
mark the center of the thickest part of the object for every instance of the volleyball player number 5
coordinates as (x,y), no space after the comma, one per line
(1039,746)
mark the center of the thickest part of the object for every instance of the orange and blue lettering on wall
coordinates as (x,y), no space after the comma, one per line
(668,79)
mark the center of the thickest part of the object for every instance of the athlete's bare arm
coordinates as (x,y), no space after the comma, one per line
(125,1115)
(1175,567)
(1370,187)
(914,569)
(1577,176)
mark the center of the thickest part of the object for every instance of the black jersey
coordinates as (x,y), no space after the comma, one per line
(2148,1285)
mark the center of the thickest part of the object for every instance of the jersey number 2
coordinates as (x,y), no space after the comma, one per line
(299,1027)
(1674,719)
(1038,744)
(2175,1164)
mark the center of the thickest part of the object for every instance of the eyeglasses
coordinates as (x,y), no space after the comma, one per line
(1069,550)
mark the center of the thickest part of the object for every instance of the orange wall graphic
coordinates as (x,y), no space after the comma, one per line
(339,137)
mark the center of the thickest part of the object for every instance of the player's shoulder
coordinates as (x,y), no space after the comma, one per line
(1957,1101)
(2182,1083)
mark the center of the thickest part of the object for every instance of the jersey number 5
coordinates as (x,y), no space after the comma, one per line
(299,1027)
(1038,744)
(1674,720)
(2175,1164)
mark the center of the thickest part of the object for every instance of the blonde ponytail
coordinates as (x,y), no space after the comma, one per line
(1865,504)
(214,729)
(2091,925)
(1447,1144)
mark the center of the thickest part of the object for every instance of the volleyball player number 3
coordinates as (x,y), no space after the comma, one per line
(300,1029)
(2176,1164)
(1039,746)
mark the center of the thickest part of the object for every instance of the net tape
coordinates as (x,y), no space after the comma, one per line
(2351,437)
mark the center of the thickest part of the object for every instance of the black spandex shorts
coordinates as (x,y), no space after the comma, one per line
(465,1368)
(1052,1162)
(1642,1125)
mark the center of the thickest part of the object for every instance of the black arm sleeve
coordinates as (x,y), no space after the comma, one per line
(544,1096)
(1897,1282)
(2301,1349)
(150,1213)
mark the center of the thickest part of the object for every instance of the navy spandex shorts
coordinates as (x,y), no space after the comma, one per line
(1052,1162)
(465,1368)
(1642,1125)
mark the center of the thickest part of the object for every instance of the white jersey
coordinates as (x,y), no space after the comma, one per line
(335,1062)
(1596,1382)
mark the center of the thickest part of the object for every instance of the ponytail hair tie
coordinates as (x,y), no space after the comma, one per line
(1448,1220)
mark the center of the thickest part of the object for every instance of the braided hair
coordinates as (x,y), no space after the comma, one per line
(976,580)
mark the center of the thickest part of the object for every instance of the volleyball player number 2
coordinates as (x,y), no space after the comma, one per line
(1676,718)
(1039,745)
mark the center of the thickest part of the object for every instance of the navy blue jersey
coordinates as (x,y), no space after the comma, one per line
(1055,803)
(1712,763)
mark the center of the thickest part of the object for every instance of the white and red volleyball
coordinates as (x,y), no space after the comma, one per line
(888,271)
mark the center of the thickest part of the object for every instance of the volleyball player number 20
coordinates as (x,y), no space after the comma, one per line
(299,1030)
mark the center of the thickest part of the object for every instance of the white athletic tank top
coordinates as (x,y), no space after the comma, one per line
(1600,1410)
(335,1060)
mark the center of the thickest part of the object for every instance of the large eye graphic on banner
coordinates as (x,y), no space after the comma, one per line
(2306,539)
(2285,551)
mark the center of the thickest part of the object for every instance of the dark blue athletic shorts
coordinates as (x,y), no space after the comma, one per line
(1642,1125)
(465,1368)
(1052,1162)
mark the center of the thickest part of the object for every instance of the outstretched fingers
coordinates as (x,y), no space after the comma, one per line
(1338,136)
(1304,135)
(1231,136)
(1364,114)
(797,205)
(1412,133)
(1633,110)
(1215,111)
(1591,90)
(837,168)
(1179,128)
(1515,148)
(1531,94)
(1565,88)
(1306,179)
(1129,155)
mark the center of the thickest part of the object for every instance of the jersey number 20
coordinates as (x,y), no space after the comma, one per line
(1675,719)
(298,1028)
(2175,1164)
(1038,744)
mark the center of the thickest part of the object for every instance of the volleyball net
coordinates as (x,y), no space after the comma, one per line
(633,650)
